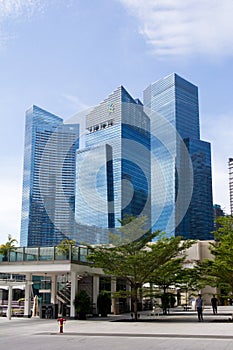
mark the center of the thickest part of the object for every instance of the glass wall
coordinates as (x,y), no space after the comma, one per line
(181,177)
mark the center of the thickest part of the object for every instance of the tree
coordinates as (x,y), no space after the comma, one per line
(104,303)
(134,260)
(171,272)
(129,260)
(82,304)
(164,277)
(8,247)
(65,246)
(218,271)
(191,280)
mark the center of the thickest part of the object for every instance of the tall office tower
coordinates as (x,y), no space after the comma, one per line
(230,167)
(217,213)
(48,179)
(113,167)
(181,170)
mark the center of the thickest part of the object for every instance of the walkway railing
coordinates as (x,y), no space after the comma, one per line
(76,254)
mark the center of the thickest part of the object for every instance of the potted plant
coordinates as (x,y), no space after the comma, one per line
(82,304)
(104,303)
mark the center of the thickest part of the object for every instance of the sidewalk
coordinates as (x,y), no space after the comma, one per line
(225,314)
(174,325)
(177,324)
(177,332)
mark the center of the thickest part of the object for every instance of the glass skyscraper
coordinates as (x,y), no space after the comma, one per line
(48,179)
(218,212)
(80,179)
(230,167)
(181,180)
(113,169)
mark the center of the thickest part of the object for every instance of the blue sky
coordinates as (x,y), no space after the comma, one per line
(66,55)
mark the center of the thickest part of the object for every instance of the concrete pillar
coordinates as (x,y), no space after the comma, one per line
(27,297)
(53,289)
(74,290)
(96,287)
(9,302)
(113,290)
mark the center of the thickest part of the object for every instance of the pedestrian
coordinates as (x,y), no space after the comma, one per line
(199,306)
(214,303)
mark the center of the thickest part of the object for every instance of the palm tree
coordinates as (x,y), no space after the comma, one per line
(8,247)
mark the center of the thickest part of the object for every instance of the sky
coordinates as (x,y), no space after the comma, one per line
(67,55)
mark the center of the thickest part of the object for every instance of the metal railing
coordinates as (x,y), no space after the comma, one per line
(76,254)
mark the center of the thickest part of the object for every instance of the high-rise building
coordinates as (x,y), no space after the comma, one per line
(48,179)
(230,167)
(113,169)
(80,179)
(218,211)
(181,172)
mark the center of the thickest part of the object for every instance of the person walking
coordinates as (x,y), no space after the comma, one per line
(199,307)
(214,303)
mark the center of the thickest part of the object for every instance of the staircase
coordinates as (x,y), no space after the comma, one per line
(63,297)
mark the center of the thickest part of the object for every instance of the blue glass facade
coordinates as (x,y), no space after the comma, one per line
(113,170)
(230,167)
(94,202)
(81,190)
(181,189)
(48,179)
(198,222)
(120,158)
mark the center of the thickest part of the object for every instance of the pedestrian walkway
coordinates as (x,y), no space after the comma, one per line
(177,323)
(102,334)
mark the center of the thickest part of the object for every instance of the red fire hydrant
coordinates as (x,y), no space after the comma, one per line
(61,321)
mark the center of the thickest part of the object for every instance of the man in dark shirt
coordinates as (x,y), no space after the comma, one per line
(199,307)
(214,303)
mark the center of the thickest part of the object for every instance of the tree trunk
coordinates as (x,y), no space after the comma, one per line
(165,302)
(135,294)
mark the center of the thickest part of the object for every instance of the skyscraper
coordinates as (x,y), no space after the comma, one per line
(181,174)
(218,212)
(113,168)
(48,179)
(80,179)
(230,167)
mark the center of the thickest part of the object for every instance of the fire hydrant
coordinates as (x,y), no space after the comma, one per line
(61,321)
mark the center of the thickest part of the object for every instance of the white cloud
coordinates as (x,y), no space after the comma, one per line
(12,10)
(178,27)
(15,8)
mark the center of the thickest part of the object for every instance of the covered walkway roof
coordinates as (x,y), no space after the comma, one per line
(40,260)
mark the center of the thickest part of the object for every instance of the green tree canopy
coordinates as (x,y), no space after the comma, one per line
(167,275)
(219,270)
(64,247)
(136,260)
(172,271)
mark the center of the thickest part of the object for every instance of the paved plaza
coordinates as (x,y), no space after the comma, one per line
(175,331)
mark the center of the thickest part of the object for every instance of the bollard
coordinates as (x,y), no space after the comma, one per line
(61,321)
